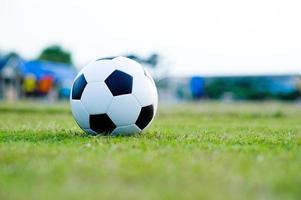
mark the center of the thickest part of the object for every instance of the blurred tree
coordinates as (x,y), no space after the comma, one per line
(56,53)
(12,55)
(152,60)
(134,57)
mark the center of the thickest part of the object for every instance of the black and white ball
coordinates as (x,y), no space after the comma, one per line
(113,97)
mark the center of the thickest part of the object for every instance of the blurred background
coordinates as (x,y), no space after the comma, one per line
(196,50)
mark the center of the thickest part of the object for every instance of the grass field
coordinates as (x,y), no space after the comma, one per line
(196,151)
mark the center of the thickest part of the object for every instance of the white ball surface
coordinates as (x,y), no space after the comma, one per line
(113,97)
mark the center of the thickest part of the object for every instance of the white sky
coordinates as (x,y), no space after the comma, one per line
(206,37)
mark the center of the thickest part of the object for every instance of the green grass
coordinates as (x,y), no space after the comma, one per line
(196,151)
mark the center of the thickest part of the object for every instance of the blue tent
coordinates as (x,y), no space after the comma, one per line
(61,73)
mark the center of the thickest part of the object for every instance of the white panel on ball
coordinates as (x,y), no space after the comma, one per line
(144,91)
(154,91)
(124,110)
(80,114)
(97,71)
(126,130)
(96,98)
(129,66)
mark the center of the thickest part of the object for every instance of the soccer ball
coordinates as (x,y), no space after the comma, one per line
(114,96)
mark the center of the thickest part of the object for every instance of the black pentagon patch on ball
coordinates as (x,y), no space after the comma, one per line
(145,116)
(78,87)
(101,124)
(119,83)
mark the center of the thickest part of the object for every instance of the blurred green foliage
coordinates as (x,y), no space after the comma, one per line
(56,53)
(248,88)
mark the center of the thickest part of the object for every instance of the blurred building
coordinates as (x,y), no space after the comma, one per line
(10,78)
